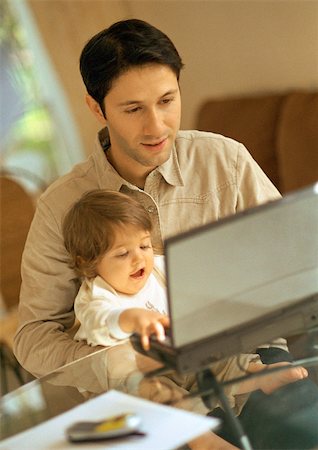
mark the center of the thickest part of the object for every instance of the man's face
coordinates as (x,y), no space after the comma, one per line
(143,110)
(126,266)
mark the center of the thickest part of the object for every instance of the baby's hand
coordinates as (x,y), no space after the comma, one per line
(275,380)
(145,323)
(151,322)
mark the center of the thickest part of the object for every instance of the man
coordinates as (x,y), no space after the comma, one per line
(183,178)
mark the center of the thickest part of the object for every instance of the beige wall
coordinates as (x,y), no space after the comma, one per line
(229,47)
(66,25)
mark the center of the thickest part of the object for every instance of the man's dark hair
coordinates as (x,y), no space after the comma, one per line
(125,44)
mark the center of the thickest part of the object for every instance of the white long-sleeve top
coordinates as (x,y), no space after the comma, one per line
(98,306)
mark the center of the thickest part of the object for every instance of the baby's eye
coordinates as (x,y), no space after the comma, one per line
(145,247)
(122,255)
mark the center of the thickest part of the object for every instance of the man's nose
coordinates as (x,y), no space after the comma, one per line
(153,125)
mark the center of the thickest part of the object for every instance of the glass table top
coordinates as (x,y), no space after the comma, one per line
(123,369)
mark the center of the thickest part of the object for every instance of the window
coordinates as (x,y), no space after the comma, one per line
(39,141)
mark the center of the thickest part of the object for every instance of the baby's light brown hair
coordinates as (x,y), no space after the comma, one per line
(89,226)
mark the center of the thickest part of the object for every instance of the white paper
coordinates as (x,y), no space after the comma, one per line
(166,428)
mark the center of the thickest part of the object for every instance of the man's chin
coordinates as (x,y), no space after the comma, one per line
(158,159)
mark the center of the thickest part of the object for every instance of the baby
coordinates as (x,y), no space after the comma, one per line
(107,235)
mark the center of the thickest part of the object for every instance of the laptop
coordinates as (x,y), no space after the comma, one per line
(240,282)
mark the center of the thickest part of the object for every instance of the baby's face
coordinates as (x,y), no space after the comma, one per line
(126,266)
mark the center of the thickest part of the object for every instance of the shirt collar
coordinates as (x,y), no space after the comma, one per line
(108,177)
(170,170)
(103,138)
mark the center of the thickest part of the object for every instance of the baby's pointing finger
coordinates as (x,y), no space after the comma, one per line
(145,341)
(159,331)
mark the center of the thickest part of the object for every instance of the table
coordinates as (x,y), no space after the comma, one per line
(122,369)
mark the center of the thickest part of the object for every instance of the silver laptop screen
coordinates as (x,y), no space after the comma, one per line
(228,273)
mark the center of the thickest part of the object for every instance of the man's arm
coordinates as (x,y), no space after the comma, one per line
(47,295)
(253,185)
(42,346)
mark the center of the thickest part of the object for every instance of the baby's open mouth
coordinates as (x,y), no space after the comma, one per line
(138,274)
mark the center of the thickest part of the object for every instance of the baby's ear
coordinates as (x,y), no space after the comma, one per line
(85,268)
(80,262)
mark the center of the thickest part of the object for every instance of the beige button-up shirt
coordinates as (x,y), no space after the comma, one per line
(206,178)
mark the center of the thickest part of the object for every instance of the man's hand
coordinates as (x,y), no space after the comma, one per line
(275,380)
(145,323)
(272,381)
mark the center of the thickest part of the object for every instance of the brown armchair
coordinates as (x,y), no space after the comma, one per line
(17,210)
(280,131)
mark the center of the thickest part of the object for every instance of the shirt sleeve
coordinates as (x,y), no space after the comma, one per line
(253,185)
(47,295)
(229,369)
(97,309)
(113,325)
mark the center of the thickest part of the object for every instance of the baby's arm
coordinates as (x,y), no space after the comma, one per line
(271,381)
(144,322)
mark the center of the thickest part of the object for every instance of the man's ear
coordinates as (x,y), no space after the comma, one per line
(95,108)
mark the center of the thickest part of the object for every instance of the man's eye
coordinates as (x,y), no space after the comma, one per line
(166,101)
(133,110)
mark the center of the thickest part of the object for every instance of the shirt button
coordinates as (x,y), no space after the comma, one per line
(151,209)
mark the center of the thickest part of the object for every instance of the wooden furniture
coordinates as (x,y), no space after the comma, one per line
(279,130)
(17,210)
